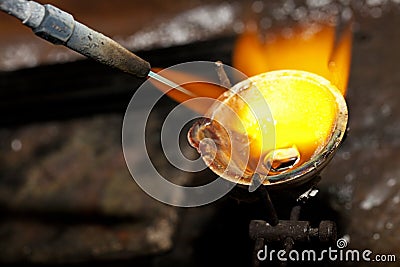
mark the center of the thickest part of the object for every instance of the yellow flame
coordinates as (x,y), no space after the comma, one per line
(309,48)
(302,104)
(303,110)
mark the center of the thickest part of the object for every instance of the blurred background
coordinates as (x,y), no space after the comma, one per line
(66,196)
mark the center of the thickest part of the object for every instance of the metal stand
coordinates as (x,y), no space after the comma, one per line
(287,232)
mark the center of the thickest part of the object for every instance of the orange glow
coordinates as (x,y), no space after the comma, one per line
(200,89)
(303,110)
(340,60)
(296,122)
(310,48)
(311,69)
(304,114)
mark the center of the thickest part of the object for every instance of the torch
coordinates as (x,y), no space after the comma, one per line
(60,28)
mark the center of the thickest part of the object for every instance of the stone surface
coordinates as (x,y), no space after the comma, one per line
(67,195)
(363,179)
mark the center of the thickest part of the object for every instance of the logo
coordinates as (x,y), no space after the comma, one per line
(338,254)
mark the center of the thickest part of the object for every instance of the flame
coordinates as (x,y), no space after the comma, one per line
(189,82)
(304,110)
(309,48)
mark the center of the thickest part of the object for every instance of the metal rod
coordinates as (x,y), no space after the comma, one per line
(170,83)
(271,215)
(295,213)
(288,243)
(223,77)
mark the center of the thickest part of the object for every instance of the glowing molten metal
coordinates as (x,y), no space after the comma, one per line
(301,74)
